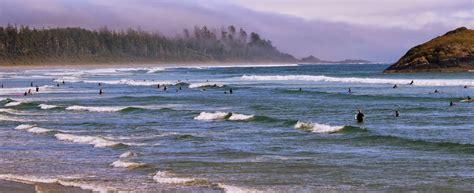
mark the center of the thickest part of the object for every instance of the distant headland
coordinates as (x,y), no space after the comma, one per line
(72,45)
(452,52)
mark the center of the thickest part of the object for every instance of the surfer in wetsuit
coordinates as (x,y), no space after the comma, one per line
(465,86)
(451,103)
(397,114)
(360,116)
(2,85)
(300,89)
(164,88)
(395,86)
(31,84)
(158,86)
(411,83)
(436,91)
(230,91)
(468,98)
(64,82)
(37,88)
(349,91)
(25,94)
(100,92)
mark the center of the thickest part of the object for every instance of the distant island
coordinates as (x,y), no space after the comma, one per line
(314,60)
(452,52)
(72,45)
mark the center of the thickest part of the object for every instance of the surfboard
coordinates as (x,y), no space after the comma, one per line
(467,100)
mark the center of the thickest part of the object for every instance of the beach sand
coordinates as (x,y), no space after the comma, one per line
(17,187)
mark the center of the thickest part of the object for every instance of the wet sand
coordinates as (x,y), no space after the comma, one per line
(17,187)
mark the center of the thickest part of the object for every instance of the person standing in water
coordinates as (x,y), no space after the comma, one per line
(2,85)
(411,83)
(101,92)
(451,103)
(395,86)
(164,88)
(397,114)
(31,84)
(349,91)
(360,116)
(230,91)
(37,88)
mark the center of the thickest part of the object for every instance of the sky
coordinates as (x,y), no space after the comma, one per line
(376,30)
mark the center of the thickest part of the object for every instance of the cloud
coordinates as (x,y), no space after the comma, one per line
(338,30)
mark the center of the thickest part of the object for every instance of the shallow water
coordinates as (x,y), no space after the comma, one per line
(266,136)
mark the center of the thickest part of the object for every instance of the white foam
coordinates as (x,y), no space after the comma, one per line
(92,140)
(205,116)
(29,179)
(317,127)
(127,164)
(133,82)
(240,117)
(95,109)
(13,103)
(156,69)
(205,84)
(128,154)
(32,128)
(235,189)
(167,178)
(46,106)
(417,82)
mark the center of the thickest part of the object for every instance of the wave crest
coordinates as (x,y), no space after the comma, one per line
(127,164)
(317,127)
(33,128)
(92,140)
(205,116)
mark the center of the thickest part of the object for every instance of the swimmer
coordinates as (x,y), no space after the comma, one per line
(397,114)
(360,117)
(37,88)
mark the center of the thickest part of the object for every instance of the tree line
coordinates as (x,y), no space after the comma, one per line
(25,45)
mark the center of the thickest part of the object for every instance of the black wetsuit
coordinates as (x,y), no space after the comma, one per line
(360,117)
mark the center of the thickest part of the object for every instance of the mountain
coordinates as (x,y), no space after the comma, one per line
(451,52)
(22,45)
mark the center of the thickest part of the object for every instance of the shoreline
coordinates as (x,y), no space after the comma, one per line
(13,186)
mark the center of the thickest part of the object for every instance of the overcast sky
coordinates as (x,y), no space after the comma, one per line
(377,30)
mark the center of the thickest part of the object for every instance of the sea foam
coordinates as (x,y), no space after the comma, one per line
(94,109)
(206,116)
(46,106)
(417,82)
(92,140)
(317,127)
(32,128)
(127,164)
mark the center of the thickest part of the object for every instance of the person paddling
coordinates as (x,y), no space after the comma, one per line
(360,117)
(395,86)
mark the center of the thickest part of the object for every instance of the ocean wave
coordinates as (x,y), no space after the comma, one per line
(30,179)
(235,189)
(133,82)
(92,140)
(205,116)
(155,69)
(317,127)
(127,164)
(322,78)
(128,154)
(94,109)
(168,178)
(46,106)
(13,103)
(205,84)
(33,129)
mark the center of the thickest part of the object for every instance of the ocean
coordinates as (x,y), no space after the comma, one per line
(284,128)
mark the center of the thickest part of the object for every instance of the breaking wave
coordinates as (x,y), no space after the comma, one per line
(323,128)
(95,109)
(205,116)
(205,84)
(33,128)
(417,82)
(46,106)
(33,179)
(128,154)
(91,140)
(127,164)
(132,82)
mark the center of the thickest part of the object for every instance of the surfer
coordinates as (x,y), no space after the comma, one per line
(57,85)
(100,84)
(436,91)
(158,86)
(164,88)
(37,88)
(29,91)
(397,114)
(2,85)
(25,94)
(468,98)
(411,83)
(451,103)
(465,86)
(300,89)
(360,116)
(230,91)
(349,91)
(395,86)
(180,88)
(64,82)
(31,84)
(100,92)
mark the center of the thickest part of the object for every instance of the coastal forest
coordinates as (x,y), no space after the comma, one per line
(25,45)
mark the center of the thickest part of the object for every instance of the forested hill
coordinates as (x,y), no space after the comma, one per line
(23,45)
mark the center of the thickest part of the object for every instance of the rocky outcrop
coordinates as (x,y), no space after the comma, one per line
(452,52)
